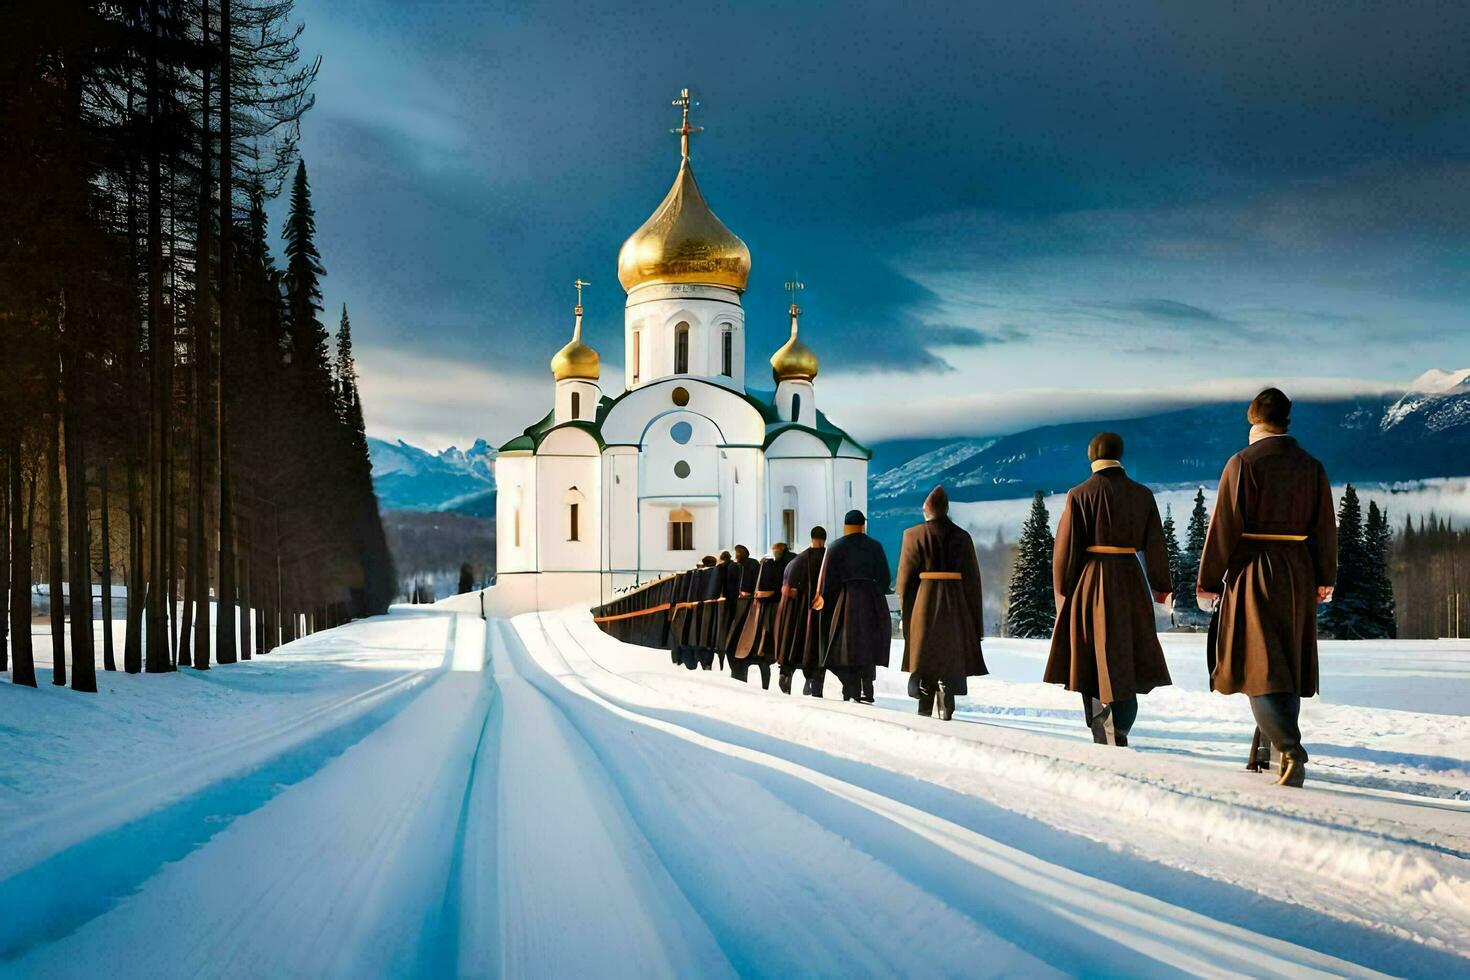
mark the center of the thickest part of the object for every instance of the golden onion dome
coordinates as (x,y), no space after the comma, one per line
(795,361)
(683,242)
(576,360)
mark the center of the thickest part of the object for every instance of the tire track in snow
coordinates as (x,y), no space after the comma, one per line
(1123,925)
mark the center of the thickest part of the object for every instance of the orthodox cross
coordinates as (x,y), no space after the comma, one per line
(579,284)
(793,287)
(684,102)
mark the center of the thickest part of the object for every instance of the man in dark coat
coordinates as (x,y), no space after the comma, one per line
(744,574)
(709,610)
(1270,559)
(1105,644)
(680,615)
(757,643)
(728,580)
(796,642)
(851,595)
(943,619)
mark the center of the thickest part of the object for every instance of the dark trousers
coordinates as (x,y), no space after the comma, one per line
(1111,722)
(815,678)
(857,682)
(1276,716)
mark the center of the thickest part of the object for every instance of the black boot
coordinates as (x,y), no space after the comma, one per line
(926,703)
(785,683)
(866,697)
(1293,771)
(946,705)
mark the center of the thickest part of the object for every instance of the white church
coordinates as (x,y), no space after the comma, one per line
(619,485)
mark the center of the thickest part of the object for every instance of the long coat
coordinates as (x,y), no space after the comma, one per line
(744,602)
(681,616)
(758,633)
(1266,626)
(943,618)
(853,585)
(797,642)
(1105,643)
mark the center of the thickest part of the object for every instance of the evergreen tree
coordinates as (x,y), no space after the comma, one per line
(1344,617)
(1186,605)
(1174,553)
(308,337)
(1031,606)
(1381,618)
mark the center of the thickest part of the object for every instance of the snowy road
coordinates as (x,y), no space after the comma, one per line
(581,807)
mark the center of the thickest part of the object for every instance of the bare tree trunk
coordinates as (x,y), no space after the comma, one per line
(55,572)
(225,629)
(137,584)
(79,552)
(247,592)
(5,511)
(108,661)
(23,665)
(160,347)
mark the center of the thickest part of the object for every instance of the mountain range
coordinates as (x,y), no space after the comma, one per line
(1425,432)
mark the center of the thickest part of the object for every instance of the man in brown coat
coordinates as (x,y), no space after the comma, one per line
(1270,559)
(1105,645)
(943,617)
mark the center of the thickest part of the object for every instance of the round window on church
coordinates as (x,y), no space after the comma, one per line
(681,469)
(681,432)
(681,397)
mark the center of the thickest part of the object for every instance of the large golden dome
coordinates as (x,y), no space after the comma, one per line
(795,361)
(576,360)
(684,242)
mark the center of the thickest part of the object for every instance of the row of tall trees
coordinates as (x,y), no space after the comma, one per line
(170,418)
(1431,563)
(1431,577)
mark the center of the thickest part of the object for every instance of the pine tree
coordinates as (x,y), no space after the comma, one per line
(304,270)
(1344,617)
(1173,551)
(1381,617)
(1031,606)
(1186,605)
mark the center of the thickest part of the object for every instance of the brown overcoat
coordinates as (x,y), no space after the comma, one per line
(1266,627)
(758,633)
(943,617)
(1105,643)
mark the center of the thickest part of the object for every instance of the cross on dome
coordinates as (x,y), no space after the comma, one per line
(685,102)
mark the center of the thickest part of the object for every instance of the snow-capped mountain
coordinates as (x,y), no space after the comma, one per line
(921,471)
(1437,400)
(409,478)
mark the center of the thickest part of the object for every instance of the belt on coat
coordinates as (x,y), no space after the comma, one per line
(1258,536)
(765,594)
(1110,549)
(940,576)
(629,615)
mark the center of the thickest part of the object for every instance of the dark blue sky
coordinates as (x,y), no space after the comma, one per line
(1004,213)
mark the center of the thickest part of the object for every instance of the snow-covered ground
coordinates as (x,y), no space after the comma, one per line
(367,802)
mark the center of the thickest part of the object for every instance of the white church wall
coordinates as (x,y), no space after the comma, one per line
(587,394)
(566,481)
(742,483)
(738,421)
(803,485)
(620,508)
(850,483)
(655,311)
(796,401)
(653,533)
(515,514)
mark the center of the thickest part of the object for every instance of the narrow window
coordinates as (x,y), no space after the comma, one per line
(637,354)
(681,349)
(518,528)
(573,513)
(788,525)
(795,407)
(681,530)
(727,354)
(576,404)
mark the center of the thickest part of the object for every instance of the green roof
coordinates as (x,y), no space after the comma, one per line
(763,402)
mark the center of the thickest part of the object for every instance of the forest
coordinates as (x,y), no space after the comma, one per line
(178,428)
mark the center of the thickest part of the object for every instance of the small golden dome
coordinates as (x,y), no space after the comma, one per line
(576,359)
(683,242)
(795,361)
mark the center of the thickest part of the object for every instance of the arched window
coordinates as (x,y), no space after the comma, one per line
(795,407)
(574,500)
(637,354)
(576,404)
(518,527)
(681,349)
(788,516)
(727,353)
(681,530)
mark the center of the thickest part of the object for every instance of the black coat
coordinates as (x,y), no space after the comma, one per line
(853,586)
(797,640)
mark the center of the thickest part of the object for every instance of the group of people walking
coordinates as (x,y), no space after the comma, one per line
(1270,558)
